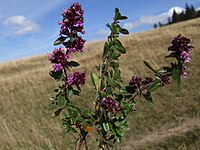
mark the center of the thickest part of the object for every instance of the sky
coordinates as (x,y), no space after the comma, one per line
(29,28)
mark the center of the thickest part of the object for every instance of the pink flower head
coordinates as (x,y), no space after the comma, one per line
(57,67)
(50,56)
(72,20)
(136,82)
(76,79)
(70,79)
(185,56)
(180,48)
(185,74)
(111,105)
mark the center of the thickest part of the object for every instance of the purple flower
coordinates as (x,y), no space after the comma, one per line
(185,56)
(180,47)
(185,74)
(59,56)
(83,31)
(50,56)
(180,43)
(136,82)
(76,79)
(57,67)
(111,105)
(76,45)
(72,20)
(70,50)
(71,25)
(70,79)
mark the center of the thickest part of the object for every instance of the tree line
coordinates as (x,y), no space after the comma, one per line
(189,13)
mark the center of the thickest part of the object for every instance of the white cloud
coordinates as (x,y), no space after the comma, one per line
(103,32)
(21,25)
(198,9)
(151,19)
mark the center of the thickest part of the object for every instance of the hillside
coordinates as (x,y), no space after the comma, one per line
(173,122)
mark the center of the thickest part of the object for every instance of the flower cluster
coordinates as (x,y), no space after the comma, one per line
(180,48)
(135,82)
(76,45)
(111,105)
(59,58)
(72,20)
(71,24)
(76,79)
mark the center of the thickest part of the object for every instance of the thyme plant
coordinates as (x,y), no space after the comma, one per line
(113,101)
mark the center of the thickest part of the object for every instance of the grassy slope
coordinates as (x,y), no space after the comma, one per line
(171,123)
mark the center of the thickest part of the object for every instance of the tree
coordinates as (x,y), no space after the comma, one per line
(198,13)
(169,21)
(181,16)
(187,12)
(175,17)
(160,24)
(155,25)
(193,13)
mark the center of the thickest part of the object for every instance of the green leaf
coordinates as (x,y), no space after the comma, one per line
(163,71)
(61,101)
(76,92)
(117,75)
(117,14)
(56,75)
(148,97)
(119,48)
(149,66)
(114,65)
(177,71)
(115,56)
(73,130)
(116,10)
(110,81)
(109,91)
(73,64)
(95,80)
(156,84)
(123,18)
(119,132)
(123,31)
(79,119)
(106,49)
(106,127)
(108,25)
(125,126)
(97,68)
(127,107)
(127,90)
(60,40)
(52,100)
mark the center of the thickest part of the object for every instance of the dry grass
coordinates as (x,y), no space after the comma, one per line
(171,123)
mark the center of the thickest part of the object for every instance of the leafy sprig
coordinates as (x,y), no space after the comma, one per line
(113,101)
